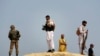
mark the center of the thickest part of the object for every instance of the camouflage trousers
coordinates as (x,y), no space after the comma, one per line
(12,44)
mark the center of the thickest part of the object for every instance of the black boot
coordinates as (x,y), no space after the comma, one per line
(9,54)
(52,50)
(49,51)
(16,54)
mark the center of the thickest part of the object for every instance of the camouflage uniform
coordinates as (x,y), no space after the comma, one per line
(14,36)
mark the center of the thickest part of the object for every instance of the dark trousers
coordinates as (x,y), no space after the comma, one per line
(12,44)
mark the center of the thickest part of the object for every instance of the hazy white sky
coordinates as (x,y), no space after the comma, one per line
(29,15)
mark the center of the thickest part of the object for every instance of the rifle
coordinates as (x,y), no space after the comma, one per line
(84,41)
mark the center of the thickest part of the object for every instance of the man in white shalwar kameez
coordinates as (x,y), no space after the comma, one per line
(49,28)
(82,31)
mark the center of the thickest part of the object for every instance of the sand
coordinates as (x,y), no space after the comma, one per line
(54,54)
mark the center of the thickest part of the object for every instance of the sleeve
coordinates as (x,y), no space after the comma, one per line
(81,30)
(53,24)
(64,41)
(60,41)
(18,34)
(9,35)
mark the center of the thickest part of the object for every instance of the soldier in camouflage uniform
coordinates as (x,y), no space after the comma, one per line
(14,36)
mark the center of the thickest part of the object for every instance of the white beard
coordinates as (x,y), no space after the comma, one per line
(50,23)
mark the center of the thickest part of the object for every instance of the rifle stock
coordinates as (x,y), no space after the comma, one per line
(84,42)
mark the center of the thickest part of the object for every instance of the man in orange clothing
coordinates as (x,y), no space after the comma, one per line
(62,44)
